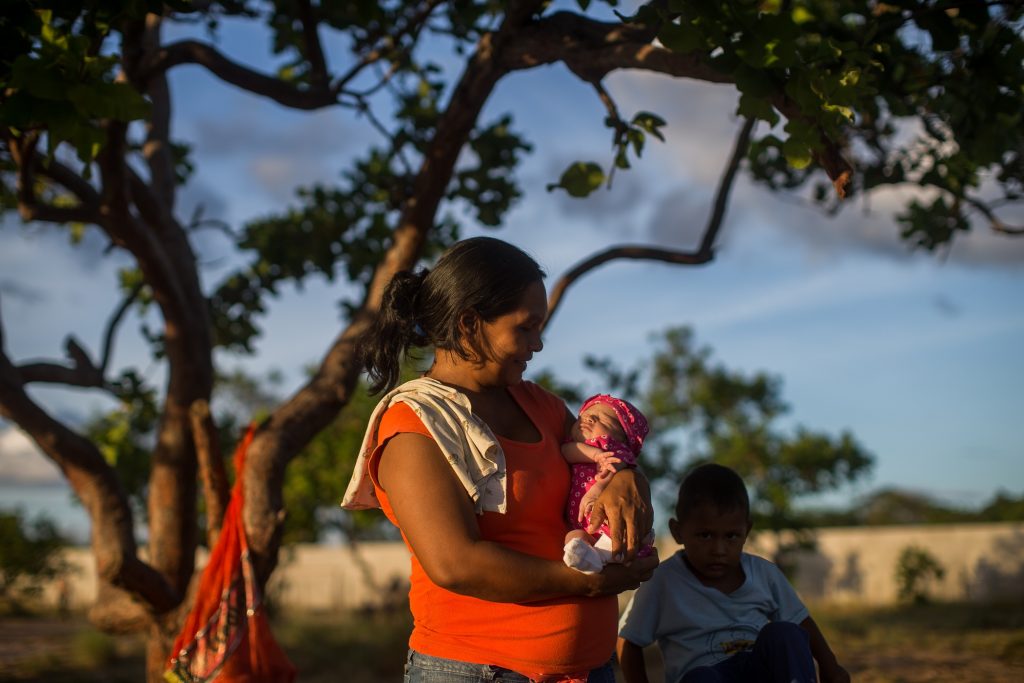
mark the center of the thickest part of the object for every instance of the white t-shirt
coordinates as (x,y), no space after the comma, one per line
(700,626)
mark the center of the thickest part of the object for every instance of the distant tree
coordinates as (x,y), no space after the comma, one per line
(917,571)
(892,505)
(30,555)
(860,95)
(1004,507)
(899,506)
(700,411)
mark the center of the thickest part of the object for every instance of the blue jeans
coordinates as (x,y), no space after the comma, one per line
(420,668)
(781,654)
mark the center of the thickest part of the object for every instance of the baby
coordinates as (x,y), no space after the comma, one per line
(606,438)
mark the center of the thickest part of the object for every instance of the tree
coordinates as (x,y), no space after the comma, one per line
(911,92)
(31,556)
(702,412)
(917,571)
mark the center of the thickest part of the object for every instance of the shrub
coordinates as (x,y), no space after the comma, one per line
(916,570)
(30,557)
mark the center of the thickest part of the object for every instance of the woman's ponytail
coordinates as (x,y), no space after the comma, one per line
(395,330)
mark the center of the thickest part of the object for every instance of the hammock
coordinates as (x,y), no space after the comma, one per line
(227,636)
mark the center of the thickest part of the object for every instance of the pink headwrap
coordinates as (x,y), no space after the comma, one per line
(633,422)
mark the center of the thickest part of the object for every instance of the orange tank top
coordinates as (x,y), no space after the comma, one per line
(559,636)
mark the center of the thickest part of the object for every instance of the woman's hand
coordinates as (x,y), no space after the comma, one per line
(615,577)
(625,504)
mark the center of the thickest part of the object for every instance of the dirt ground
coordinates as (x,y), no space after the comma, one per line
(933,644)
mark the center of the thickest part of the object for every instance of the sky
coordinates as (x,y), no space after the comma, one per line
(917,354)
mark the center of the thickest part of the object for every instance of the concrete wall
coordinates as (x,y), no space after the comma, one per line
(858,565)
(853,565)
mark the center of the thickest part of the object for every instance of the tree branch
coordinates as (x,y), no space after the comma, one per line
(412,26)
(97,487)
(703,254)
(23,153)
(112,323)
(72,182)
(739,150)
(157,147)
(211,468)
(593,49)
(312,407)
(314,52)
(207,56)
(995,221)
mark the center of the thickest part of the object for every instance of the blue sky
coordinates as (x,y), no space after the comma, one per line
(917,354)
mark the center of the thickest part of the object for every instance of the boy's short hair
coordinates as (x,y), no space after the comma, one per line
(712,484)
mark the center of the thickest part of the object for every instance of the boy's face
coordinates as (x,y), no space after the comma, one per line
(714,542)
(597,420)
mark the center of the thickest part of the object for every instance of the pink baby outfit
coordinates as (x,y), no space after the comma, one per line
(634,424)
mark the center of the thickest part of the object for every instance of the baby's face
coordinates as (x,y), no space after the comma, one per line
(597,420)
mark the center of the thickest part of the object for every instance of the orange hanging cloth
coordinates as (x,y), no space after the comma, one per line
(227,637)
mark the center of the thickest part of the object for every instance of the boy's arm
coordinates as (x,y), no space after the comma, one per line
(829,669)
(631,661)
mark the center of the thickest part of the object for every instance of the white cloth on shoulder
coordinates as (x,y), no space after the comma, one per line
(466,441)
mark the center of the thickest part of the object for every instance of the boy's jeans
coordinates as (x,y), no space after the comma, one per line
(421,668)
(781,654)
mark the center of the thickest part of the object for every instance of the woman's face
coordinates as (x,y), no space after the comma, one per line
(508,342)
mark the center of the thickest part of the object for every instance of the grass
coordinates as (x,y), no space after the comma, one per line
(931,642)
(939,643)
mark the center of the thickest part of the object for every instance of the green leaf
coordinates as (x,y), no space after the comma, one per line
(757,108)
(801,15)
(798,154)
(580,179)
(650,123)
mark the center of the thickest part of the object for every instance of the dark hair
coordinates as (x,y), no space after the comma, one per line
(482,274)
(712,484)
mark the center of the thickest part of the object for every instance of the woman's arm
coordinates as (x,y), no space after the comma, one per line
(436,516)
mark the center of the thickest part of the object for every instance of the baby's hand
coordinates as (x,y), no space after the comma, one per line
(587,502)
(606,461)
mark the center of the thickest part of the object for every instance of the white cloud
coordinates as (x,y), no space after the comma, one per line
(22,462)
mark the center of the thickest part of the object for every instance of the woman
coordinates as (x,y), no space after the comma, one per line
(490,595)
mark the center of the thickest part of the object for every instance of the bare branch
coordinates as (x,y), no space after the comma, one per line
(157,147)
(112,323)
(195,52)
(703,254)
(624,251)
(314,52)
(596,48)
(614,120)
(211,468)
(81,373)
(96,485)
(739,150)
(411,27)
(23,153)
(72,182)
(996,222)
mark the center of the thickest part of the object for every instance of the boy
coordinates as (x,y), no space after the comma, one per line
(717,613)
